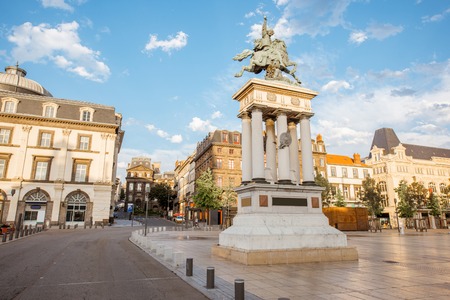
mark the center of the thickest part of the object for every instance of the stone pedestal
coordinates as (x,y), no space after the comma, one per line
(279,220)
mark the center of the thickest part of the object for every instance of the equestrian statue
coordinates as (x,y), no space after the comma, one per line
(270,56)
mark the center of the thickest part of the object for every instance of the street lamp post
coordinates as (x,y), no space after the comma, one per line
(146,213)
(396,214)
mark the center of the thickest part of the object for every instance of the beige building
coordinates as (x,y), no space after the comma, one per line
(58,157)
(346,174)
(140,176)
(393,161)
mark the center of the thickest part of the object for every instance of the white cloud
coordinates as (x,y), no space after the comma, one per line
(375,31)
(334,86)
(150,127)
(358,37)
(60,4)
(176,139)
(437,17)
(162,133)
(198,124)
(172,43)
(216,115)
(60,45)
(348,119)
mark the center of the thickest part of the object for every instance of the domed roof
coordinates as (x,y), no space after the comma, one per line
(14,80)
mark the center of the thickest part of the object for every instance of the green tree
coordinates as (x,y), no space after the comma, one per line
(418,193)
(433,205)
(162,192)
(371,196)
(207,194)
(326,193)
(406,207)
(339,199)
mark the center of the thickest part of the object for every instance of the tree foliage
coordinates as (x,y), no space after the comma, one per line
(228,197)
(161,192)
(326,193)
(433,205)
(371,196)
(207,194)
(406,207)
(339,199)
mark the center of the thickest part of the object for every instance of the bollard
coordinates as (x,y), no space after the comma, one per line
(189,266)
(11,235)
(210,278)
(16,233)
(5,235)
(60,226)
(21,232)
(239,290)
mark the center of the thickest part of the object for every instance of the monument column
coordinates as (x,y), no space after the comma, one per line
(271,149)
(307,157)
(257,146)
(293,152)
(283,150)
(246,148)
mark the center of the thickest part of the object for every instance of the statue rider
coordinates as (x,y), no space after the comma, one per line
(265,42)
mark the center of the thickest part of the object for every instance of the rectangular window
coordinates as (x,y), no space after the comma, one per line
(30,215)
(344,172)
(5,135)
(322,162)
(219,150)
(10,107)
(230,151)
(80,171)
(84,142)
(365,173)
(219,163)
(355,173)
(231,164)
(86,116)
(225,137)
(41,168)
(139,187)
(131,186)
(333,171)
(219,181)
(2,168)
(236,139)
(45,139)
(49,112)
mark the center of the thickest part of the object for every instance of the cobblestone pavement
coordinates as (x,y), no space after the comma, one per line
(414,265)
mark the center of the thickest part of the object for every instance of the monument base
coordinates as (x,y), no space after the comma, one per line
(279,224)
(285,256)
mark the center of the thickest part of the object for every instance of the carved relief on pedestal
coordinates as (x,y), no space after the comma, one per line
(295,101)
(271,97)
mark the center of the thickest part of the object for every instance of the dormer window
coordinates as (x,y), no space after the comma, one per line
(9,105)
(86,114)
(49,110)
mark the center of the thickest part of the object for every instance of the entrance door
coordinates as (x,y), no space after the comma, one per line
(76,209)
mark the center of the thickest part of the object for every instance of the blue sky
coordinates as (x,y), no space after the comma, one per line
(167,66)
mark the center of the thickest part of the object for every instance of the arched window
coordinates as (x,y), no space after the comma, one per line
(442,188)
(76,206)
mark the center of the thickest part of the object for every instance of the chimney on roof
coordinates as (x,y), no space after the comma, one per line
(356,158)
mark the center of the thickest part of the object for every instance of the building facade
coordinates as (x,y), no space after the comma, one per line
(345,175)
(58,157)
(393,161)
(140,177)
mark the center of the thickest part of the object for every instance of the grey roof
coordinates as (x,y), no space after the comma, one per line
(387,139)
(14,80)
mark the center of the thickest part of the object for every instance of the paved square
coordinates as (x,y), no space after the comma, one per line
(415,265)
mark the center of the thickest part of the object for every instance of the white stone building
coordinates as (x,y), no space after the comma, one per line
(393,161)
(347,174)
(58,157)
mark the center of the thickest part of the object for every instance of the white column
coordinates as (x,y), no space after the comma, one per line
(246,149)
(271,149)
(293,152)
(284,175)
(257,146)
(307,157)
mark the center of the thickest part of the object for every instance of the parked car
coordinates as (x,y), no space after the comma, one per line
(179,219)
